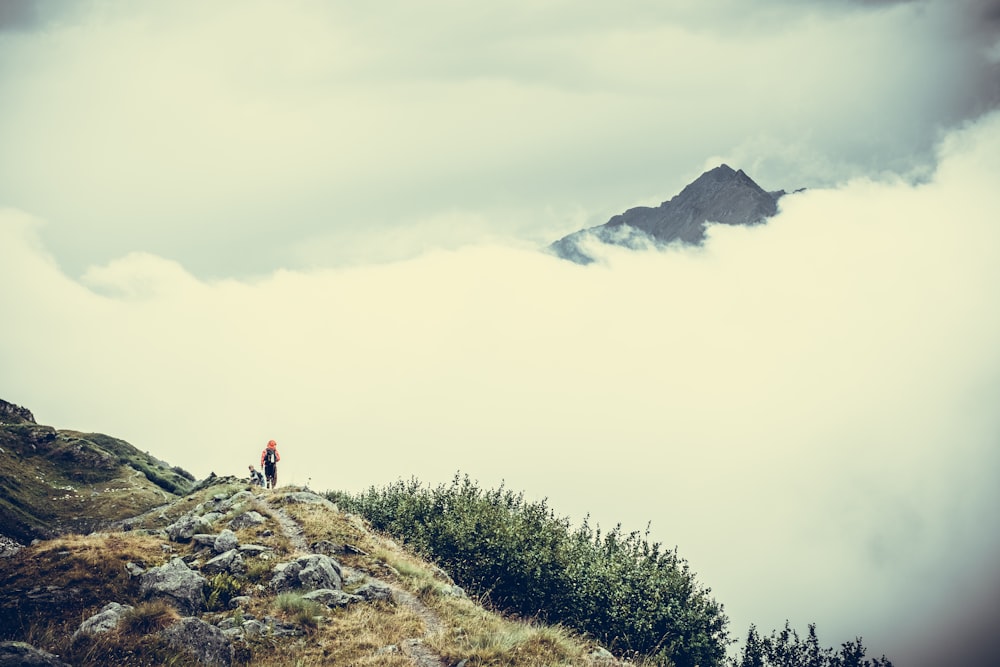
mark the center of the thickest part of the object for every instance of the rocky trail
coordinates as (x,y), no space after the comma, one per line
(414,648)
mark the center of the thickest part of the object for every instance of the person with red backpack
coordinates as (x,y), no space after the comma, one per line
(269,462)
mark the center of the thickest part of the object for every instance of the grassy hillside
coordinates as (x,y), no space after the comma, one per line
(95,516)
(64,481)
(251,574)
(50,587)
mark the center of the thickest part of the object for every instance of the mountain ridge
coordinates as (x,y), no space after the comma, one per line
(121,559)
(100,565)
(720,195)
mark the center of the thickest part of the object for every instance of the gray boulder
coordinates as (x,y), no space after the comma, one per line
(253,628)
(8,546)
(225,541)
(310,573)
(236,500)
(375,590)
(223,503)
(204,539)
(247,519)
(211,517)
(231,562)
(176,582)
(254,549)
(19,654)
(207,643)
(186,527)
(329,548)
(308,498)
(332,598)
(105,620)
(133,569)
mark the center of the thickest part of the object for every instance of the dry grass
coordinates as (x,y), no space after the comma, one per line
(266,534)
(320,523)
(486,638)
(82,573)
(363,634)
(95,561)
(149,617)
(357,635)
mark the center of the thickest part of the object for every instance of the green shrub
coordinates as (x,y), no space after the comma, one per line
(258,570)
(220,589)
(786,649)
(637,598)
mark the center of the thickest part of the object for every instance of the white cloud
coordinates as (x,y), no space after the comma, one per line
(223,135)
(806,408)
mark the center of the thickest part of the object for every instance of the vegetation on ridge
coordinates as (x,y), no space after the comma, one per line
(785,648)
(568,588)
(637,598)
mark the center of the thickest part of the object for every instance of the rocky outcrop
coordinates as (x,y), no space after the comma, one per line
(230,562)
(308,573)
(176,582)
(721,195)
(331,597)
(226,541)
(15,414)
(187,527)
(105,620)
(375,590)
(206,643)
(9,547)
(215,583)
(246,520)
(19,654)
(308,498)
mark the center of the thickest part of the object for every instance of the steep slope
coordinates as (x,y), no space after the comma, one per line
(720,195)
(58,481)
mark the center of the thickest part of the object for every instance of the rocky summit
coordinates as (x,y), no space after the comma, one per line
(721,195)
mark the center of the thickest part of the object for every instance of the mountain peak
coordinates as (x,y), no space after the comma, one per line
(720,195)
(722,170)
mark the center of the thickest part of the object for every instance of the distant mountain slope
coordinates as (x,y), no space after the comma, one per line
(58,481)
(720,195)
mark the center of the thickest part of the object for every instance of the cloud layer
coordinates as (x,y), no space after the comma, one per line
(242,137)
(807,408)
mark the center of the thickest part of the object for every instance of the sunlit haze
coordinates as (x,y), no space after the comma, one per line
(323,224)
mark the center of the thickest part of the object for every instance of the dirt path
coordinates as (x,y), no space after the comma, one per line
(414,648)
(289,527)
(421,654)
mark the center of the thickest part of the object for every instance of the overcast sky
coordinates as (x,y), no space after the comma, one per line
(222,223)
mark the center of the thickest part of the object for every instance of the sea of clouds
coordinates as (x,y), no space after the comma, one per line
(807,409)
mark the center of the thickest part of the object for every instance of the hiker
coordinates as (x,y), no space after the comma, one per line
(269,462)
(256,478)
